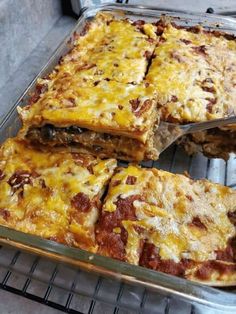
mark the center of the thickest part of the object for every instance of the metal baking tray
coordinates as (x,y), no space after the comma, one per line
(221,299)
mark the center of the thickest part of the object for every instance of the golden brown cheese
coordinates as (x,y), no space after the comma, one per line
(55,196)
(110,107)
(175,217)
(121,78)
(90,87)
(194,74)
(112,49)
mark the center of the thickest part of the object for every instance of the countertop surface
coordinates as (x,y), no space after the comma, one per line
(29,68)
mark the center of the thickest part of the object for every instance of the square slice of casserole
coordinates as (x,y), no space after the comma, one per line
(55,196)
(170,223)
(110,119)
(194,75)
(111,49)
(96,99)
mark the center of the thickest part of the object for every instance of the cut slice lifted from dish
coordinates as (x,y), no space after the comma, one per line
(95,100)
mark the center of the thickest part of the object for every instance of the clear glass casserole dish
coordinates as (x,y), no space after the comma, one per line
(215,170)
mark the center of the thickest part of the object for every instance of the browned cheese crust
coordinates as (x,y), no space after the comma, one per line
(170,223)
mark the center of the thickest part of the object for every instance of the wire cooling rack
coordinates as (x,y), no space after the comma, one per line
(74,291)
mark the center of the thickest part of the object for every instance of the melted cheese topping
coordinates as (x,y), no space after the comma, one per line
(105,107)
(102,84)
(194,75)
(91,85)
(116,50)
(42,204)
(119,52)
(167,213)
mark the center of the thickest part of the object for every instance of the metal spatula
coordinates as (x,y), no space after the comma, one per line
(167,133)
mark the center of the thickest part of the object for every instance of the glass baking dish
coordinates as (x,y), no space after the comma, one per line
(166,284)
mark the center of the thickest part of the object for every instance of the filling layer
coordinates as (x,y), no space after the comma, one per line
(100,144)
(215,143)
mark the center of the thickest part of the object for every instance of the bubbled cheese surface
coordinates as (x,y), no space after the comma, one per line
(194,75)
(37,189)
(119,72)
(165,212)
(95,84)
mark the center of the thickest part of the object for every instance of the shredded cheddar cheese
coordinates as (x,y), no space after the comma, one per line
(53,195)
(194,75)
(122,77)
(95,85)
(181,218)
(105,97)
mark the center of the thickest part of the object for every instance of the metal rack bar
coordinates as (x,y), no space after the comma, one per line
(71,292)
(167,306)
(49,289)
(94,295)
(120,292)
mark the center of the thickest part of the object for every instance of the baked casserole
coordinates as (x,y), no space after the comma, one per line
(55,196)
(96,100)
(170,223)
(194,75)
(108,94)
(147,217)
